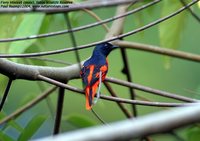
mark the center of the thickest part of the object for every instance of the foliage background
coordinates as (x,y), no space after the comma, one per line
(157,71)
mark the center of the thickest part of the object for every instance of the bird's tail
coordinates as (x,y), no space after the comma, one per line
(90,92)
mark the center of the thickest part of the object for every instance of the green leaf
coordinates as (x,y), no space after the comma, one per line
(193,134)
(79,121)
(74,16)
(9,24)
(4,137)
(198,4)
(32,127)
(170,31)
(45,25)
(30,25)
(60,20)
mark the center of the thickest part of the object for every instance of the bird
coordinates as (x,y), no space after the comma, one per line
(94,70)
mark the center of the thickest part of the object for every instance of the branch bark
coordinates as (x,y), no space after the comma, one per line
(151,90)
(159,50)
(118,25)
(30,72)
(135,128)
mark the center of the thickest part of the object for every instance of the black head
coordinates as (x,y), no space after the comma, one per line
(104,48)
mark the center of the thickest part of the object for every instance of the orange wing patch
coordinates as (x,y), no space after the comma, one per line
(89,78)
(104,70)
(89,100)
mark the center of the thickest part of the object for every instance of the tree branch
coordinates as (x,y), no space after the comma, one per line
(159,50)
(59,110)
(30,72)
(51,60)
(147,125)
(6,93)
(191,12)
(118,25)
(151,90)
(95,16)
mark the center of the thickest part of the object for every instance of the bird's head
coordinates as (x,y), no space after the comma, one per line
(104,48)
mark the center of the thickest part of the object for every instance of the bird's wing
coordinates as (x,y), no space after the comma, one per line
(90,74)
(87,74)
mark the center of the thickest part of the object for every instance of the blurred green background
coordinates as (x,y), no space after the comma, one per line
(148,69)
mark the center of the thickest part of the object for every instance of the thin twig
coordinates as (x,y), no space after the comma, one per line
(142,98)
(28,105)
(159,50)
(126,71)
(51,60)
(6,93)
(146,103)
(59,110)
(97,18)
(73,39)
(98,117)
(151,90)
(103,41)
(191,12)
